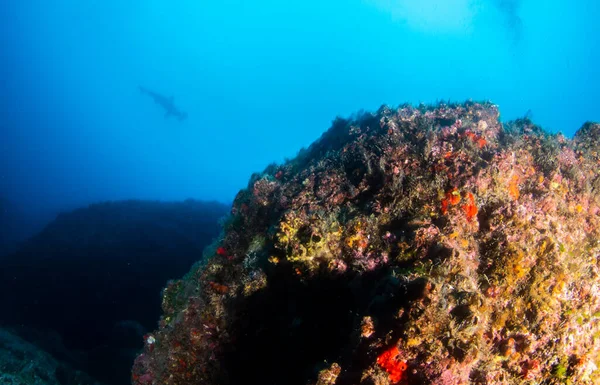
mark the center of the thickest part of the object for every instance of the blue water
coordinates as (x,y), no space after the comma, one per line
(259,80)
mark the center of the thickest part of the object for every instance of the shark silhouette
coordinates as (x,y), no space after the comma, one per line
(166,103)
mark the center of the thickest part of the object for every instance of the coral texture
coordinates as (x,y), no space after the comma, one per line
(429,245)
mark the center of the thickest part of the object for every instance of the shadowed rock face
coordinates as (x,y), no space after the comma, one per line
(23,363)
(14,227)
(95,276)
(429,245)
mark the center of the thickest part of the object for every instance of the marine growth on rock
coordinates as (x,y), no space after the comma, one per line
(417,245)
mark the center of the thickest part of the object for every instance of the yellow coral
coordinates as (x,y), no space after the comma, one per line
(359,238)
(323,240)
(288,230)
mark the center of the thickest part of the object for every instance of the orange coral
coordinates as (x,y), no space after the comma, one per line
(391,363)
(513,187)
(470,208)
(452,198)
(444,206)
(479,140)
(219,288)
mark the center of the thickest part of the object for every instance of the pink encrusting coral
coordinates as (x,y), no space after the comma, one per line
(430,245)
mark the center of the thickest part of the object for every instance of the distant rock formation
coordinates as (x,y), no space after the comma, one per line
(429,245)
(18,223)
(95,275)
(12,227)
(22,363)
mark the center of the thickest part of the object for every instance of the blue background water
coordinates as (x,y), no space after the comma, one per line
(259,80)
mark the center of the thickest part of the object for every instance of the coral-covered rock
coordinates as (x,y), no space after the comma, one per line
(429,245)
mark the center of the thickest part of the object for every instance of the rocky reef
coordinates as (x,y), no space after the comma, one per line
(93,278)
(428,245)
(22,363)
(16,226)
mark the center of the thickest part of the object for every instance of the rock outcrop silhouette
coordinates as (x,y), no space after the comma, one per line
(95,275)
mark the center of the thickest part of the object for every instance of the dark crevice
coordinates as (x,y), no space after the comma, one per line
(287,332)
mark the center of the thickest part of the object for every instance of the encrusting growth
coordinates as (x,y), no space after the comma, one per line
(430,245)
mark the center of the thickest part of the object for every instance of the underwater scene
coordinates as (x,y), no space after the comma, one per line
(357,192)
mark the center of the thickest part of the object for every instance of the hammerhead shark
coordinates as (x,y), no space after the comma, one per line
(166,103)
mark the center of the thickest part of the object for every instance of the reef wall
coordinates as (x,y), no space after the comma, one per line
(429,245)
